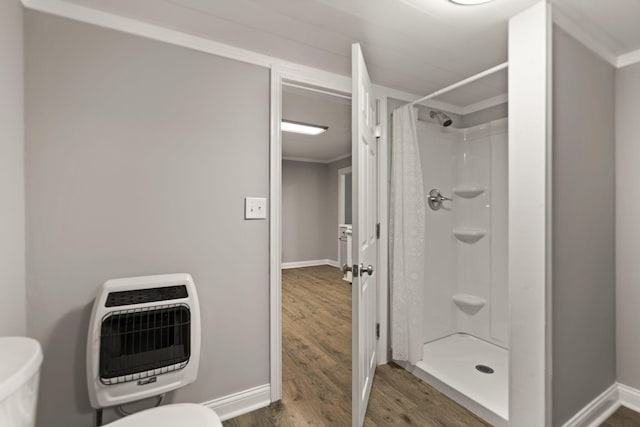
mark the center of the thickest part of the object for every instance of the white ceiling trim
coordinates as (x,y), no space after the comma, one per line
(444,106)
(335,159)
(143,29)
(408,97)
(316,90)
(590,41)
(298,72)
(577,32)
(289,70)
(629,58)
(486,103)
(304,159)
(310,160)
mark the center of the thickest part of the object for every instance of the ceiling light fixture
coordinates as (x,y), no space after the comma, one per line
(469,2)
(303,128)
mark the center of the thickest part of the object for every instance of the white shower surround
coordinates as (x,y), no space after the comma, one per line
(466,161)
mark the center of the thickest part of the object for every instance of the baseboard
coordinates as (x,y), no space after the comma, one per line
(598,410)
(311,263)
(236,404)
(629,397)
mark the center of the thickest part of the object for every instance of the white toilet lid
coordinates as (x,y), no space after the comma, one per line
(179,414)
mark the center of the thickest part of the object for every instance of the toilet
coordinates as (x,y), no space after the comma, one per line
(143,342)
(185,414)
(20,360)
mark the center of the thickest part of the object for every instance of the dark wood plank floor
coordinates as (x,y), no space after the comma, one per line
(623,417)
(316,362)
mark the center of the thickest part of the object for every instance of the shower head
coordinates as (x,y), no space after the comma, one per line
(442,118)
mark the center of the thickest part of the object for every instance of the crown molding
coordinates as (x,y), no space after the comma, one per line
(629,58)
(591,41)
(300,73)
(408,97)
(576,31)
(486,103)
(321,161)
(342,157)
(304,159)
(143,29)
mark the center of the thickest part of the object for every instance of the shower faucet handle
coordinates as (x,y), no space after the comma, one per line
(435,199)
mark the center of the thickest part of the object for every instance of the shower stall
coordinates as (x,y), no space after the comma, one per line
(448,237)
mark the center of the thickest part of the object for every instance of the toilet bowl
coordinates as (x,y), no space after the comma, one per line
(178,414)
(20,360)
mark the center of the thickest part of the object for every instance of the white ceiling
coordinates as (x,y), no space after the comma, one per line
(318,109)
(417,46)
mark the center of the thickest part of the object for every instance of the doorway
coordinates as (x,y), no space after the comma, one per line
(316,300)
(339,85)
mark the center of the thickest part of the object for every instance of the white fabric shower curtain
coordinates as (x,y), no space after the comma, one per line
(407,239)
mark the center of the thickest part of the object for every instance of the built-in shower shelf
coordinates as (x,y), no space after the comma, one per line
(468,234)
(469,302)
(469,191)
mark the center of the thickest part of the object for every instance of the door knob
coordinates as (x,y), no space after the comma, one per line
(368,269)
(346,268)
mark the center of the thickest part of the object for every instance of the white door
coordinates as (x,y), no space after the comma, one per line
(364,208)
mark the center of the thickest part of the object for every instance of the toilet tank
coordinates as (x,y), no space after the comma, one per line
(20,360)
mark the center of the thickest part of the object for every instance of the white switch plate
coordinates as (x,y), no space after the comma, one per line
(255,208)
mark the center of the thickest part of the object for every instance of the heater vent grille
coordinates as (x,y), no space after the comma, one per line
(145,342)
(141,296)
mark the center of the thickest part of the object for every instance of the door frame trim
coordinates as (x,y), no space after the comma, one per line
(275,237)
(341,206)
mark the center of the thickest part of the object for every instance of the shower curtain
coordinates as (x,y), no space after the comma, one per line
(407,239)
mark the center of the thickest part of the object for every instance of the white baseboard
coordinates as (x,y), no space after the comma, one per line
(311,263)
(601,408)
(598,410)
(629,397)
(236,404)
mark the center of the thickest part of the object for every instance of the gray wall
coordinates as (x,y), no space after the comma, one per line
(139,155)
(310,210)
(628,224)
(12,252)
(583,227)
(305,211)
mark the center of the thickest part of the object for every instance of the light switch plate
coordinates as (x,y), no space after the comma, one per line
(255,208)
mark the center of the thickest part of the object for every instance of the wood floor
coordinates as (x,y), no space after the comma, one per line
(623,417)
(316,362)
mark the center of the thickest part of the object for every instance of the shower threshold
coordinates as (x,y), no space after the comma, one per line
(470,371)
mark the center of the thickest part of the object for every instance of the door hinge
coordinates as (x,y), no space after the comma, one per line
(377,330)
(378,230)
(378,132)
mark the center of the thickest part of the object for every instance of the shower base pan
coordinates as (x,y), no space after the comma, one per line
(470,371)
